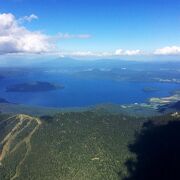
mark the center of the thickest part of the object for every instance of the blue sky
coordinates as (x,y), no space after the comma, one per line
(111,27)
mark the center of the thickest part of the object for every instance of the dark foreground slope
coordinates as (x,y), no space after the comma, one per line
(157,150)
(74,145)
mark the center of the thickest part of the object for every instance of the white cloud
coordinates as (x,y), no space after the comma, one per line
(169,50)
(133,52)
(88,54)
(83,53)
(121,52)
(28,18)
(72,36)
(15,38)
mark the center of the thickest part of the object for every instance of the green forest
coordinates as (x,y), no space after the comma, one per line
(90,145)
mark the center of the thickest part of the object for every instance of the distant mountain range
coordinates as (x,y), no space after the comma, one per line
(80,64)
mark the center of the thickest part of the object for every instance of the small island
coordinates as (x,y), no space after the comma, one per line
(37,86)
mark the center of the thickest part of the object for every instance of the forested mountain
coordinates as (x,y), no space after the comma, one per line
(71,145)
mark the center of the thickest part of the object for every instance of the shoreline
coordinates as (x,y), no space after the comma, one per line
(153,105)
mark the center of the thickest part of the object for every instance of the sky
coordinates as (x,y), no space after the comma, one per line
(136,29)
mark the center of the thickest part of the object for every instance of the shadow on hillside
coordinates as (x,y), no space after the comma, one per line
(157,149)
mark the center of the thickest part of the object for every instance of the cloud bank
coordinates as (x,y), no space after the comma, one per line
(72,36)
(116,53)
(28,18)
(15,38)
(121,52)
(169,50)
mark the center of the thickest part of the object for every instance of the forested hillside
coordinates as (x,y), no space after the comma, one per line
(73,145)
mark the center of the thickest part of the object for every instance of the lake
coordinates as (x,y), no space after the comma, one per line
(79,92)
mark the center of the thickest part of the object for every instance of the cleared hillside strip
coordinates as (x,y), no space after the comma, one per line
(23,123)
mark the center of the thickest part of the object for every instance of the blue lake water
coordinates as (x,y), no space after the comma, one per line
(80,92)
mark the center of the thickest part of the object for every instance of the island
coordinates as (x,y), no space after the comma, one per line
(37,86)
